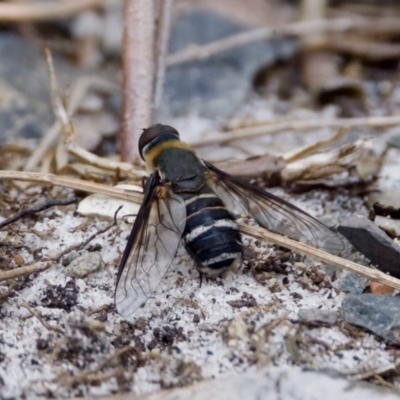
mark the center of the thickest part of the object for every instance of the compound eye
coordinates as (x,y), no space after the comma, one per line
(152,133)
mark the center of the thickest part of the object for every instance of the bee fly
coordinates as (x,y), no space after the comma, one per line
(188,198)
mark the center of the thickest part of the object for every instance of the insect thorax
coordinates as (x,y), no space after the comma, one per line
(182,168)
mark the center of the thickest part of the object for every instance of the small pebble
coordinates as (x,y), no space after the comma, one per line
(18,259)
(318,315)
(84,265)
(237,329)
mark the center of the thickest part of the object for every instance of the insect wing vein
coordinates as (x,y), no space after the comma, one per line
(272,212)
(150,250)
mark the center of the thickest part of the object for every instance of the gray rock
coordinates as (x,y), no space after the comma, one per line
(318,315)
(273,383)
(376,313)
(25,110)
(205,327)
(352,283)
(394,137)
(216,86)
(84,265)
(371,241)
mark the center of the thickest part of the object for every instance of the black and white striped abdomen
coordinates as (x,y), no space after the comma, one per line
(211,235)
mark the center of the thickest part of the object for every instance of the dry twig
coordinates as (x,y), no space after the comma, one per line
(41,320)
(138,74)
(274,127)
(41,11)
(105,307)
(373,274)
(35,209)
(363,47)
(337,25)
(87,378)
(72,183)
(25,271)
(80,246)
(95,374)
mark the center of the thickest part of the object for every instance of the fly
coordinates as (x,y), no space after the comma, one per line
(189,199)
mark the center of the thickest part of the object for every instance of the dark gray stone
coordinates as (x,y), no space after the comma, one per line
(376,313)
(215,87)
(318,315)
(352,283)
(371,241)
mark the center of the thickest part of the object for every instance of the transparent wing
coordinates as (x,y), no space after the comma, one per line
(151,247)
(272,212)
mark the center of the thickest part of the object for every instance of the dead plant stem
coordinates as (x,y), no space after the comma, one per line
(337,25)
(138,74)
(275,127)
(24,271)
(44,10)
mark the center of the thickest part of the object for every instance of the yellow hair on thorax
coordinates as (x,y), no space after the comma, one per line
(154,152)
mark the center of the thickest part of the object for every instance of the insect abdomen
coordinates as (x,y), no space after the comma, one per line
(211,235)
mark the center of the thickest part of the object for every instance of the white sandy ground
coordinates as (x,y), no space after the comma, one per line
(225,340)
(219,344)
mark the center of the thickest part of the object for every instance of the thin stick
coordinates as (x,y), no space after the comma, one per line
(270,128)
(24,271)
(41,11)
(87,378)
(338,25)
(72,183)
(162,35)
(94,375)
(111,357)
(36,209)
(41,320)
(80,246)
(364,47)
(373,274)
(138,74)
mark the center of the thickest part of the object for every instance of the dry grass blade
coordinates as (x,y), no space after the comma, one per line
(78,91)
(373,274)
(72,183)
(69,135)
(311,149)
(275,127)
(44,10)
(197,52)
(338,25)
(24,271)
